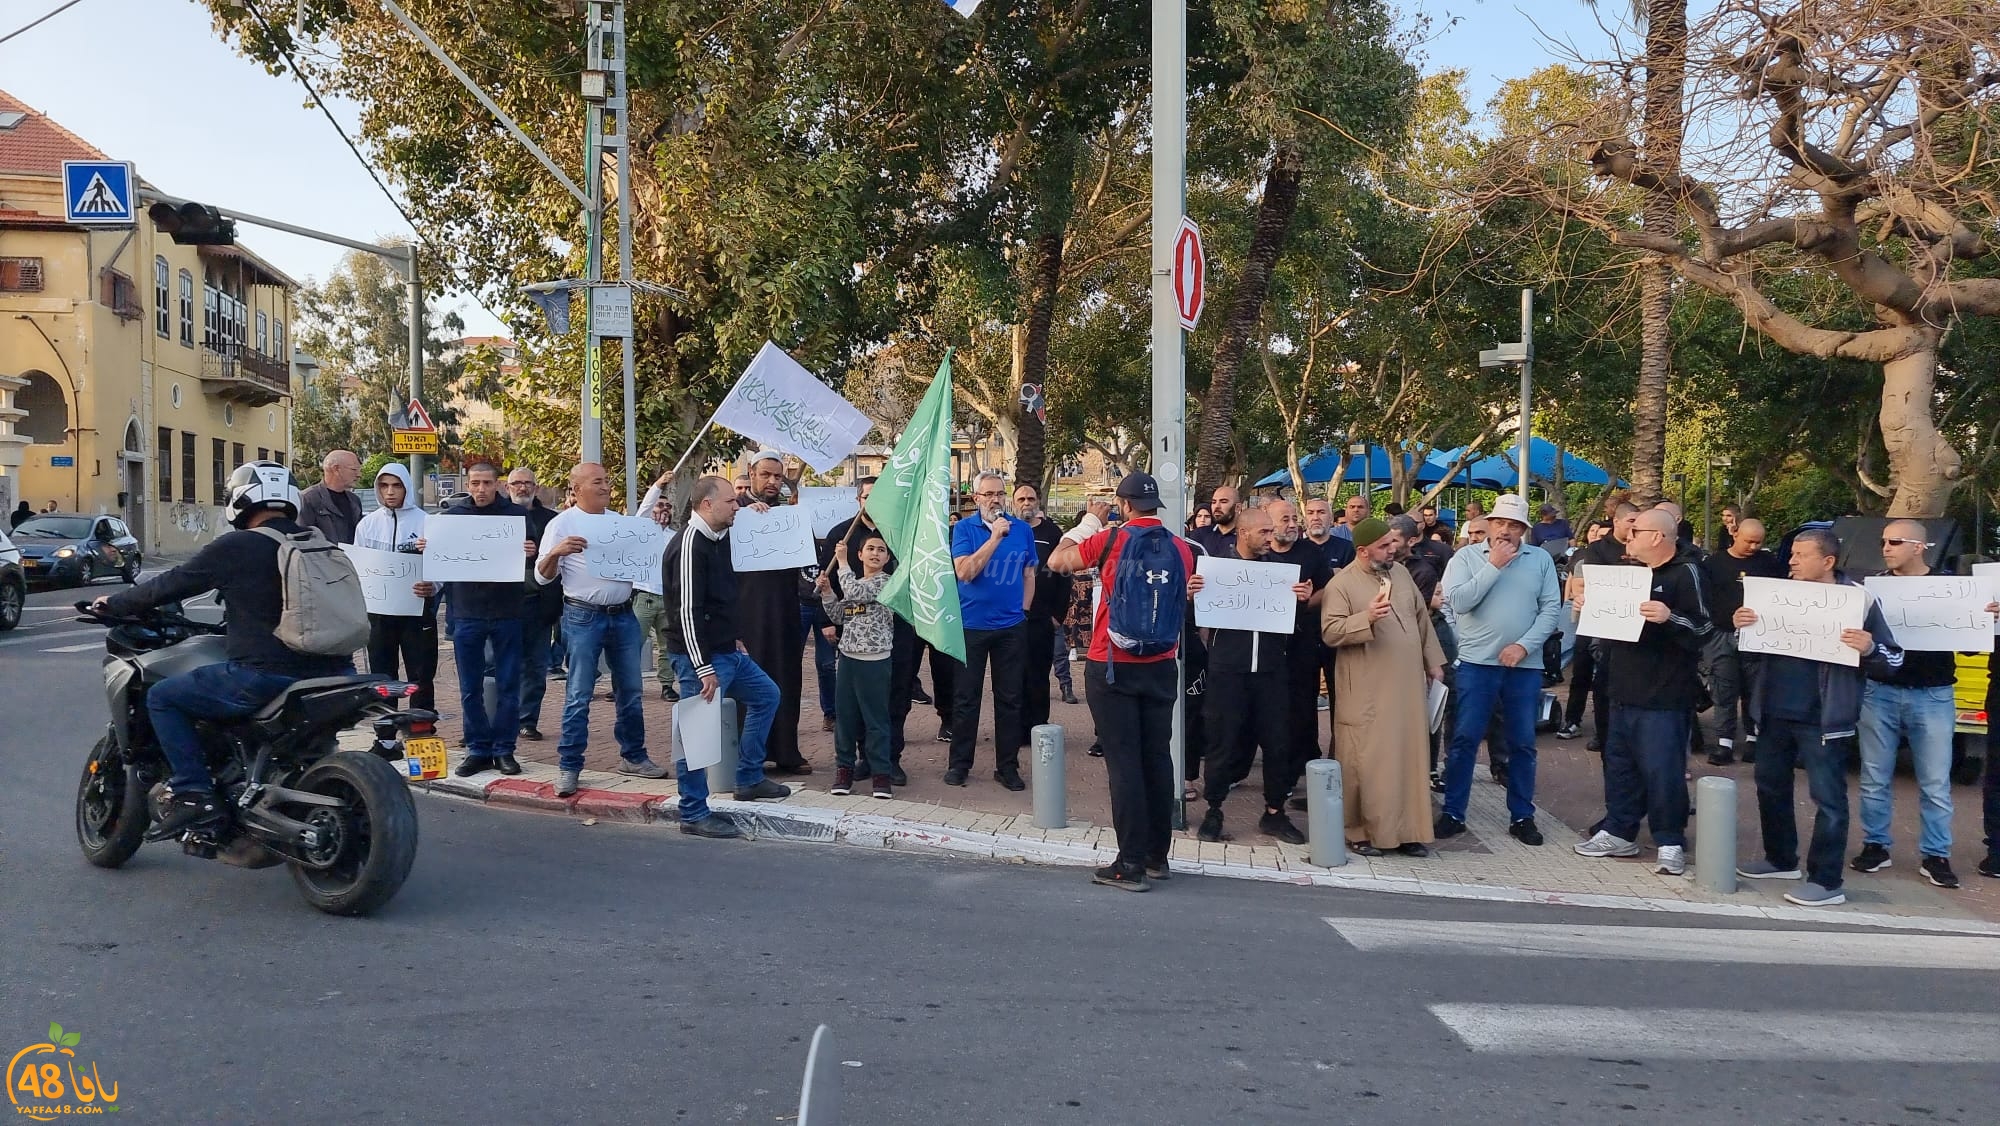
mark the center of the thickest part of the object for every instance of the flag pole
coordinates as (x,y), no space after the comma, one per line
(692,447)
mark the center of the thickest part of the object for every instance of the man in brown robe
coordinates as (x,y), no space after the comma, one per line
(1389,654)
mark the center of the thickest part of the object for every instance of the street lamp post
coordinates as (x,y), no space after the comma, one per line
(1708,502)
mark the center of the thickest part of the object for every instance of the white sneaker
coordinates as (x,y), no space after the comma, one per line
(1673,861)
(1604,844)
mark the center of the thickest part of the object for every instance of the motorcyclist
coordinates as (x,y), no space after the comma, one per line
(243,566)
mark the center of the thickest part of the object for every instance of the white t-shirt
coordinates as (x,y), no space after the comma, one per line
(577,581)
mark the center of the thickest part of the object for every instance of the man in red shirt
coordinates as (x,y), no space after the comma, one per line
(1134,708)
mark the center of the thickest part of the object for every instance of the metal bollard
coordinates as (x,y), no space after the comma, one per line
(722,776)
(1715,833)
(1050,778)
(1326,816)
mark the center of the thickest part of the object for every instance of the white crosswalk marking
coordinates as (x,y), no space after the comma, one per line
(1672,944)
(75,648)
(1717,1034)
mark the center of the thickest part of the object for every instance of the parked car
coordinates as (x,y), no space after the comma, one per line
(13,584)
(65,549)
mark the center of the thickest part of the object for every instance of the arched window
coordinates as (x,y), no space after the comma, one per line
(47,423)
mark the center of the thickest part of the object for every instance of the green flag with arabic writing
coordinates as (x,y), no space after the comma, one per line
(911,503)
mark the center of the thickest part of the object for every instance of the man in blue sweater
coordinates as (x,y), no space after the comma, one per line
(1505,597)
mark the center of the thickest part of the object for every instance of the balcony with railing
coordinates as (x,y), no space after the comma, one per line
(242,374)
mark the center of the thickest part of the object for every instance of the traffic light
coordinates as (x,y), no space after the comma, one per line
(193,224)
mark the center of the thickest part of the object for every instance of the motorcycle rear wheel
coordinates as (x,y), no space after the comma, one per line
(111,813)
(375,835)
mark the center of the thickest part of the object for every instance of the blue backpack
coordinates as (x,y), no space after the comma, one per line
(1148,595)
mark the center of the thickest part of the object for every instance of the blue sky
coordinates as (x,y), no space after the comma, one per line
(148,81)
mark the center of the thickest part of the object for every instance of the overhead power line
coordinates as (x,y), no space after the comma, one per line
(32,24)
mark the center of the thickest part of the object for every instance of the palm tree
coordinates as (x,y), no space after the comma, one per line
(1664,125)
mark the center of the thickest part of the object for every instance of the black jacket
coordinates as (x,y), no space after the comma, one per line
(1840,686)
(540,600)
(700,590)
(486,600)
(1662,668)
(334,514)
(244,567)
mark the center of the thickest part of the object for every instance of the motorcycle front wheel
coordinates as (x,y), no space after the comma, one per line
(367,845)
(111,813)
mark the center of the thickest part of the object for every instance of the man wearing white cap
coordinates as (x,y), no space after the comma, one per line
(767,618)
(1503,593)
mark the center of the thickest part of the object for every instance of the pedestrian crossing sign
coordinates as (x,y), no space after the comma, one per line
(98,193)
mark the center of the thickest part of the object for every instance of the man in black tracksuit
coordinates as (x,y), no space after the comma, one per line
(1248,682)
(1289,544)
(1655,682)
(541,606)
(699,584)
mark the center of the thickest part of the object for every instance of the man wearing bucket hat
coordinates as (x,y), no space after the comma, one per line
(1504,595)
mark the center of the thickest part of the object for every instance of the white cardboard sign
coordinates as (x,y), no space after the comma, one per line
(1936,613)
(475,549)
(828,506)
(386,579)
(622,548)
(1801,619)
(1244,594)
(772,541)
(1611,598)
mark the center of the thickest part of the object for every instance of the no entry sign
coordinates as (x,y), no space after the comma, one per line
(1190,273)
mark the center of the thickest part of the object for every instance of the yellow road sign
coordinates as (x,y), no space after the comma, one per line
(414,442)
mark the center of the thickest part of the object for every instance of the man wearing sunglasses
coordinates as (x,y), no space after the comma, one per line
(1913,703)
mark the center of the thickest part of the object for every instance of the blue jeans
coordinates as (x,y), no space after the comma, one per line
(1926,717)
(535,642)
(1645,773)
(826,660)
(756,696)
(1480,689)
(1781,745)
(590,632)
(211,692)
(471,639)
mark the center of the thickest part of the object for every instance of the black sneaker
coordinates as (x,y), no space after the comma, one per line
(944,733)
(669,693)
(1279,826)
(1119,876)
(1417,849)
(1569,731)
(1446,826)
(1010,779)
(1873,858)
(1721,758)
(532,734)
(766,790)
(190,810)
(1437,782)
(1525,831)
(715,826)
(1990,867)
(1096,750)
(1159,869)
(954,777)
(897,776)
(1595,746)
(1499,774)
(1211,826)
(1937,869)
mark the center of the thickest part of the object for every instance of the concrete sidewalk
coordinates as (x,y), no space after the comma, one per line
(985,819)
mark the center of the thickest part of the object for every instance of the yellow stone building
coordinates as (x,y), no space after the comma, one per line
(135,374)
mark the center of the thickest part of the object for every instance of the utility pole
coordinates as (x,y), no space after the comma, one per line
(591,419)
(1520,352)
(614,136)
(414,286)
(1169,444)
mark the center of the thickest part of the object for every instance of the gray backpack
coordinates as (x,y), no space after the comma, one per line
(324,612)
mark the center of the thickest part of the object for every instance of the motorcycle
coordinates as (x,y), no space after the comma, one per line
(343,820)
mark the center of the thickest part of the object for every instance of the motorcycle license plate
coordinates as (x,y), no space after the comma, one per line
(423,759)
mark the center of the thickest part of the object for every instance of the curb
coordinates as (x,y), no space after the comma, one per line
(807,824)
